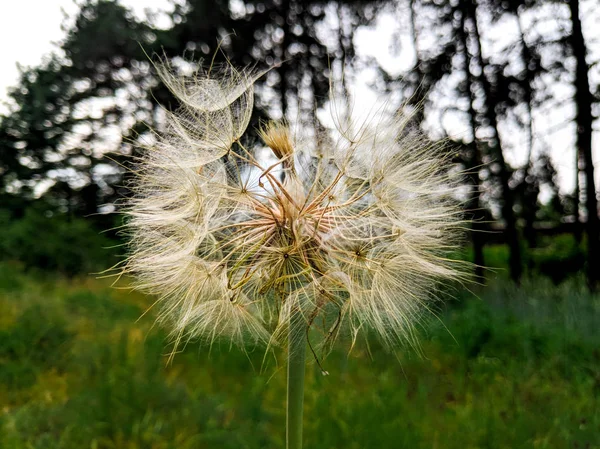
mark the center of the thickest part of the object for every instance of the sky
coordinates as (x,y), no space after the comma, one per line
(25,42)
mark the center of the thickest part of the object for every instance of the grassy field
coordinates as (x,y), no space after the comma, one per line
(516,368)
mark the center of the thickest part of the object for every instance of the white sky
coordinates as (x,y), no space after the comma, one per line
(28,29)
(26,41)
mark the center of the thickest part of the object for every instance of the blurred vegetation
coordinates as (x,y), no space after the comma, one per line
(557,258)
(44,240)
(515,368)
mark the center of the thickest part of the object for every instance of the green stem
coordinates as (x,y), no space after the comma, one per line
(295,382)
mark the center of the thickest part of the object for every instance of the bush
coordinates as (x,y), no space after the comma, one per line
(558,257)
(54,242)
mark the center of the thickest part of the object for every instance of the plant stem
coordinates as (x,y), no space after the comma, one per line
(295,382)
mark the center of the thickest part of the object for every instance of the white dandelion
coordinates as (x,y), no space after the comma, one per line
(350,235)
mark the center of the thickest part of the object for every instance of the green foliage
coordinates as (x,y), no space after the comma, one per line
(54,242)
(496,256)
(515,369)
(35,343)
(558,257)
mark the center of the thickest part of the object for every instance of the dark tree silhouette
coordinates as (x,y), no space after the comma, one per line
(584,120)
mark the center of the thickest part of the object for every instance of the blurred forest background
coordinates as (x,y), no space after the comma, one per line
(519,366)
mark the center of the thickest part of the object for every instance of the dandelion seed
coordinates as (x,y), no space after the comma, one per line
(348,236)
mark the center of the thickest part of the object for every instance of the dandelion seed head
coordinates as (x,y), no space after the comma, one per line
(347,235)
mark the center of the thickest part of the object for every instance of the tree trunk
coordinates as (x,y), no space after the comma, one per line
(530,208)
(472,162)
(508,213)
(583,120)
(284,12)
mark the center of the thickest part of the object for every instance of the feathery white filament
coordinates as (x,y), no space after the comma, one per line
(355,236)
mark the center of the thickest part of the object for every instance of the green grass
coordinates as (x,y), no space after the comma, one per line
(517,368)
